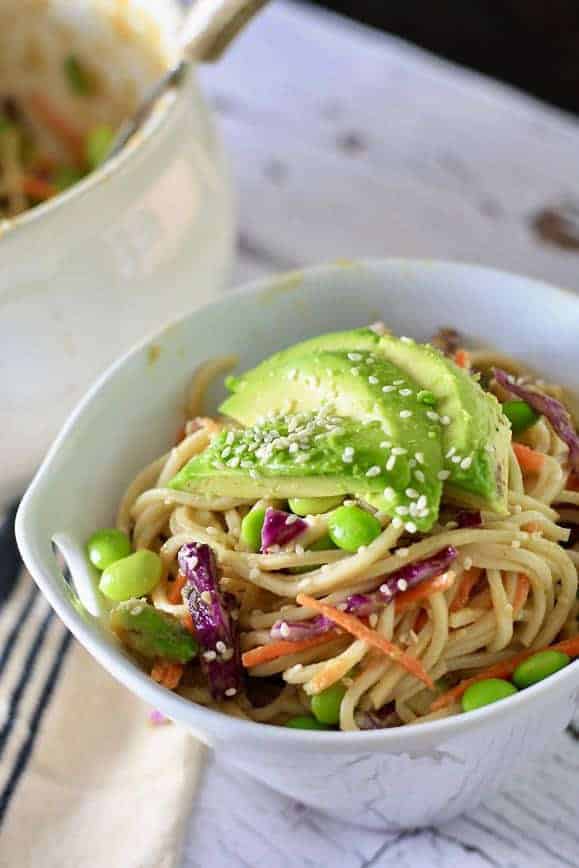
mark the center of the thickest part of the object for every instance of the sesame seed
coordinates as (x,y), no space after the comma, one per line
(254,573)
(231,691)
(233,462)
(401,553)
(384,589)
(398,382)
(206,597)
(291,519)
(402,510)
(405,414)
(284,629)
(391,462)
(396,522)
(405,392)
(355,357)
(387,389)
(362,549)
(230,438)
(422,502)
(221,646)
(389,493)
(209,656)
(443,474)
(373,380)
(293,448)
(465,463)
(406,340)
(227,654)
(226,452)
(386,444)
(410,527)
(373,619)
(373,471)
(402,584)
(468,563)
(354,371)
(419,475)
(412,493)
(432,415)
(445,420)
(299,549)
(456,459)
(399,450)
(419,457)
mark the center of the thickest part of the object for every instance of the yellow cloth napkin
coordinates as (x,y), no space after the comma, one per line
(85,778)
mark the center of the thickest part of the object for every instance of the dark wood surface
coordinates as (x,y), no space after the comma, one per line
(533,44)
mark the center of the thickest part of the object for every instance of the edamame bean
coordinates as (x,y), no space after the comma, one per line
(251,526)
(520,415)
(134,576)
(351,527)
(107,546)
(539,666)
(314,505)
(485,692)
(326,705)
(98,143)
(303,721)
(152,633)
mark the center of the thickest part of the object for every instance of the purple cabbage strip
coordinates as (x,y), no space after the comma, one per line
(216,627)
(468,518)
(365,604)
(280,528)
(555,412)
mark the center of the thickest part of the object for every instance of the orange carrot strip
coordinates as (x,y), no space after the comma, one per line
(532,527)
(266,653)
(166,673)
(467,583)
(503,670)
(420,621)
(528,459)
(573,482)
(187,621)
(354,626)
(60,126)
(422,591)
(521,593)
(462,358)
(37,188)
(174,589)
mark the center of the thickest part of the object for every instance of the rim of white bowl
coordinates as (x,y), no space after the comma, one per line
(190,713)
(145,137)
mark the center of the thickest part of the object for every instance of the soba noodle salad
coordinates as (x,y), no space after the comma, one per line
(42,153)
(373,532)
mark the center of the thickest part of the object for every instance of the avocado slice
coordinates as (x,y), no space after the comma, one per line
(329,422)
(476,435)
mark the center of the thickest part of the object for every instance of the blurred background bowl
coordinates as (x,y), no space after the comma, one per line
(132,246)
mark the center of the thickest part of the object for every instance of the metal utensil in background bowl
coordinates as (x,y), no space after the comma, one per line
(143,239)
(388,779)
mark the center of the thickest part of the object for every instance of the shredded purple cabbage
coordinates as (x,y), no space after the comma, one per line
(280,528)
(554,410)
(468,518)
(214,618)
(365,604)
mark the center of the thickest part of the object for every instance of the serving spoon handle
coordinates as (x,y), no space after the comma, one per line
(207,31)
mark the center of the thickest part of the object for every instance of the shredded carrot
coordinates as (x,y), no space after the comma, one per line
(174,589)
(187,621)
(354,626)
(521,593)
(36,188)
(503,670)
(532,527)
(529,460)
(573,482)
(420,621)
(467,583)
(166,673)
(266,653)
(462,358)
(422,591)
(43,164)
(62,129)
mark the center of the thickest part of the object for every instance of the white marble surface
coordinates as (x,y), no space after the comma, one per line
(348,143)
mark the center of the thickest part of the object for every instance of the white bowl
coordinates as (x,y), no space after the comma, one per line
(392,779)
(134,245)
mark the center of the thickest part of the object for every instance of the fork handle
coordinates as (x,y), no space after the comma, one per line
(212,24)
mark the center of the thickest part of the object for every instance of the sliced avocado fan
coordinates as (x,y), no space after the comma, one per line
(331,422)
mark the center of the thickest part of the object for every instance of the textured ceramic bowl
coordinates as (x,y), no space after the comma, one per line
(392,779)
(134,245)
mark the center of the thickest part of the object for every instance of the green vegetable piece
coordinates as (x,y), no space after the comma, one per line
(351,527)
(326,705)
(251,526)
(152,633)
(305,722)
(77,76)
(133,576)
(323,544)
(313,505)
(539,666)
(66,176)
(98,143)
(520,415)
(485,692)
(107,546)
